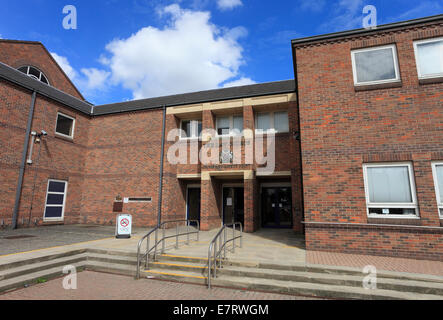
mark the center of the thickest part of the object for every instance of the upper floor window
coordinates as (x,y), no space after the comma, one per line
(65,125)
(390,190)
(437,171)
(229,125)
(375,65)
(272,121)
(34,73)
(191,129)
(429,58)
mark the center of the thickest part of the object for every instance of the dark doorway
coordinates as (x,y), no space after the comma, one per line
(233,205)
(276,207)
(193,204)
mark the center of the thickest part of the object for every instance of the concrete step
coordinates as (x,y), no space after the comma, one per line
(317,269)
(320,290)
(33,277)
(24,260)
(287,287)
(180,266)
(401,285)
(115,268)
(20,270)
(114,259)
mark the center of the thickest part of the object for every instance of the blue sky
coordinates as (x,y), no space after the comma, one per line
(124,50)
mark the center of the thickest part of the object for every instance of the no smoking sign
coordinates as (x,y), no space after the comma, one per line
(123,226)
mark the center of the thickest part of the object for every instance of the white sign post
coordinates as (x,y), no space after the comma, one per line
(123,227)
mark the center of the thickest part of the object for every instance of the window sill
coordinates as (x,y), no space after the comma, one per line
(62,137)
(430,80)
(378,86)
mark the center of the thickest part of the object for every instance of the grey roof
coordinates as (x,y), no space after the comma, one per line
(269,88)
(21,79)
(261,89)
(357,32)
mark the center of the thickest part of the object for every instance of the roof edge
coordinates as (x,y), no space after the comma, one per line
(357,32)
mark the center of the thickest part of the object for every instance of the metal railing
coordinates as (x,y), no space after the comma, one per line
(145,256)
(217,248)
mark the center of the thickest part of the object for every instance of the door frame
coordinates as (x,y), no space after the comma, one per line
(274,185)
(192,186)
(228,185)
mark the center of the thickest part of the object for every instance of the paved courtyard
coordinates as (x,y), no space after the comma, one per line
(265,246)
(102,286)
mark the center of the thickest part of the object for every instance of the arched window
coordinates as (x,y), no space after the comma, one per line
(34,73)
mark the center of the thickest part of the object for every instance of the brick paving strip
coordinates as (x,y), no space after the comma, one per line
(103,286)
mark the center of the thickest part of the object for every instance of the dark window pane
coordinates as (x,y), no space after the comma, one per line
(64,125)
(23,69)
(199,128)
(53,212)
(34,72)
(375,65)
(44,80)
(55,186)
(55,198)
(186,127)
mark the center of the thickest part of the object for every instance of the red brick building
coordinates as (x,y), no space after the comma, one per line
(371,115)
(344,134)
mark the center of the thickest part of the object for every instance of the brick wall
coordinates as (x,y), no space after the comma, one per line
(18,53)
(53,158)
(342,128)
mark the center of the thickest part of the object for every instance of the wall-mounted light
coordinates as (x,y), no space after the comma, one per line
(36,138)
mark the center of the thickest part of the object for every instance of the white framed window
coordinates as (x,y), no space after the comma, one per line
(375,65)
(437,172)
(65,125)
(55,200)
(276,121)
(229,125)
(390,190)
(429,58)
(190,129)
(33,72)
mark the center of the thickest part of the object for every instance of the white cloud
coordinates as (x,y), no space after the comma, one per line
(188,54)
(228,4)
(240,82)
(347,15)
(311,5)
(88,80)
(65,65)
(95,79)
(425,8)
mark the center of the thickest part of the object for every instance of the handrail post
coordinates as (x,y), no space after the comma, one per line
(198,231)
(209,266)
(163,242)
(156,242)
(147,254)
(233,238)
(224,249)
(215,259)
(241,235)
(187,231)
(176,235)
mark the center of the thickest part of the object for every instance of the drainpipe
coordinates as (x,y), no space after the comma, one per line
(161,168)
(23,162)
(294,56)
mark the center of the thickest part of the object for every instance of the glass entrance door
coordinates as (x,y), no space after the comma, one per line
(276,207)
(233,205)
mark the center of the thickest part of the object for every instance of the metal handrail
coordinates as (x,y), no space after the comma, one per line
(147,236)
(217,256)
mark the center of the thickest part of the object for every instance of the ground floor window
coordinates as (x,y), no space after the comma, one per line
(437,170)
(390,190)
(55,200)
